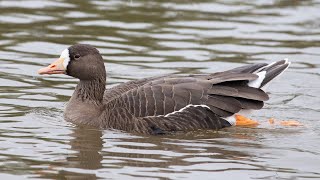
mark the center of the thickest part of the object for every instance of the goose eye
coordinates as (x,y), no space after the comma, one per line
(77,56)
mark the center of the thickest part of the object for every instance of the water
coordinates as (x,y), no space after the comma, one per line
(147,38)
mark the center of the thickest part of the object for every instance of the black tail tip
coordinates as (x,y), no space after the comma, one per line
(274,69)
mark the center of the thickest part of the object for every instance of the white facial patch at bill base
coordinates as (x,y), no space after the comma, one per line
(66,58)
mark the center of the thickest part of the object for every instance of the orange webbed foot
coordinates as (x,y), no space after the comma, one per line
(286,122)
(244,121)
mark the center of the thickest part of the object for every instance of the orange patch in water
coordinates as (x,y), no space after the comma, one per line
(244,121)
(285,123)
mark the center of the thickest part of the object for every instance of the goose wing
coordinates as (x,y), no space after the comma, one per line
(172,103)
(224,93)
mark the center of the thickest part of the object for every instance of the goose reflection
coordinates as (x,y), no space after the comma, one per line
(87,144)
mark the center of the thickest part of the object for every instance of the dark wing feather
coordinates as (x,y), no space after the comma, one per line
(220,112)
(228,76)
(229,104)
(239,91)
(274,70)
(250,104)
(251,68)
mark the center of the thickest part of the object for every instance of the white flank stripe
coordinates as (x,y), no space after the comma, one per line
(189,105)
(257,82)
(66,58)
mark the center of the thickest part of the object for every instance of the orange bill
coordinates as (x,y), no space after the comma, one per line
(54,68)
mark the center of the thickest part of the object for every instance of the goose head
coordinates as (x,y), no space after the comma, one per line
(80,61)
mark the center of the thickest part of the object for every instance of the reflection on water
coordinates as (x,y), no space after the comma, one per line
(146,38)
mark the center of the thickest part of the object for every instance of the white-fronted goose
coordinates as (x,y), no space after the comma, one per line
(159,105)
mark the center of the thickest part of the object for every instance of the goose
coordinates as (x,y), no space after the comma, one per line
(163,104)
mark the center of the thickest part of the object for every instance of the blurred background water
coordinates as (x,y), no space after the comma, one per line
(146,38)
